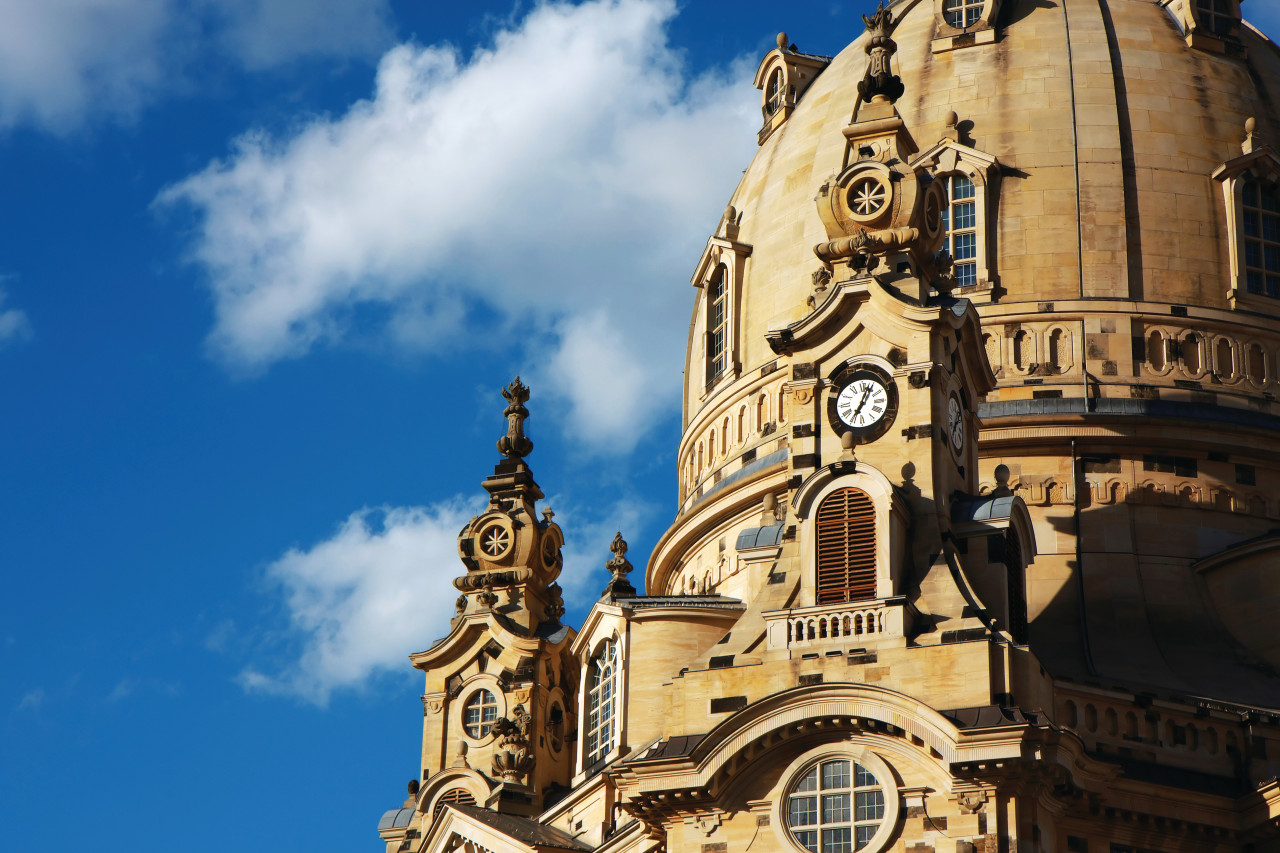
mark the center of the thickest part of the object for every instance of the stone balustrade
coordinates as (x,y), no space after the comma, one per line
(836,624)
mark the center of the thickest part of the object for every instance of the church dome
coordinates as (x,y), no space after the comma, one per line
(1111,213)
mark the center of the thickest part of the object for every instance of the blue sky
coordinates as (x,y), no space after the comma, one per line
(264,266)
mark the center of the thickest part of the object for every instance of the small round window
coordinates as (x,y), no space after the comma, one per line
(479,714)
(836,806)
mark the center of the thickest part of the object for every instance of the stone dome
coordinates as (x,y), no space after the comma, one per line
(1133,338)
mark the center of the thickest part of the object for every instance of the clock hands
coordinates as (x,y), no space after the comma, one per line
(866,392)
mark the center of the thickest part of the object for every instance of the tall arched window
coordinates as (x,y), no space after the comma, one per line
(717,324)
(846,534)
(1261,235)
(602,704)
(960,219)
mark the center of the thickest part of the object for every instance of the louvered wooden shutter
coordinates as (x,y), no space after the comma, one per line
(457,796)
(846,547)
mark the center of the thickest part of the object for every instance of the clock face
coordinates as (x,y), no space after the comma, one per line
(955,425)
(862,403)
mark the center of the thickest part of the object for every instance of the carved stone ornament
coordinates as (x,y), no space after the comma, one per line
(803,396)
(879,83)
(515,445)
(619,586)
(512,758)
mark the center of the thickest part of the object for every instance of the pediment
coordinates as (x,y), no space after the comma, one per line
(472,829)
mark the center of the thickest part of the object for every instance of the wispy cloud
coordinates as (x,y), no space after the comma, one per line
(32,700)
(564,177)
(14,325)
(66,62)
(379,589)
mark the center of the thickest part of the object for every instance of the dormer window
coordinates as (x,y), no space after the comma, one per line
(964,23)
(1217,16)
(782,77)
(602,704)
(960,221)
(717,324)
(1260,235)
(1251,192)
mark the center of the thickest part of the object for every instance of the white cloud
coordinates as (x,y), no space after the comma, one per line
(380,589)
(63,62)
(566,177)
(14,325)
(362,600)
(32,700)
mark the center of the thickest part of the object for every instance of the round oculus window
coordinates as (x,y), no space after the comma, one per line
(495,540)
(835,806)
(479,714)
(868,196)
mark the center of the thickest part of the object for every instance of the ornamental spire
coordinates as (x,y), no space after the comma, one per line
(515,445)
(880,83)
(619,586)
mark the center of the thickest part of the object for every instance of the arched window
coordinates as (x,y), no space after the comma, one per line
(479,714)
(1261,238)
(773,94)
(459,796)
(962,14)
(960,220)
(717,324)
(846,534)
(1017,587)
(836,806)
(602,704)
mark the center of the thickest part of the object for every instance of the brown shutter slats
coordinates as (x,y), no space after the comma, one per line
(846,547)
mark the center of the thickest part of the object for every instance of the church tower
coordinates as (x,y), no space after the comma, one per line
(976,525)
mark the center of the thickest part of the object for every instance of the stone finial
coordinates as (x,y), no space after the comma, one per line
(619,586)
(515,445)
(782,42)
(880,83)
(730,214)
(769,510)
(953,131)
(1250,125)
(1002,482)
(846,444)
(460,757)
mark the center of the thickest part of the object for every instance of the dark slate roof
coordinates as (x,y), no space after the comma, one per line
(522,829)
(984,508)
(1177,777)
(396,819)
(673,747)
(642,601)
(989,716)
(756,537)
(774,458)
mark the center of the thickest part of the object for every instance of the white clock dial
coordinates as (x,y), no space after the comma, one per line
(955,424)
(862,403)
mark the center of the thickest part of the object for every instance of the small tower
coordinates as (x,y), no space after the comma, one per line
(500,688)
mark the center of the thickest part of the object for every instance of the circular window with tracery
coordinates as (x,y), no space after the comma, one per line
(868,196)
(495,540)
(836,805)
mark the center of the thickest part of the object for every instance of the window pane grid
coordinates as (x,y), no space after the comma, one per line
(600,704)
(844,816)
(1261,230)
(960,222)
(479,714)
(962,13)
(717,327)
